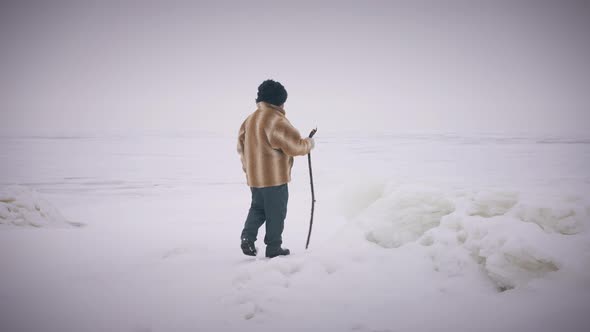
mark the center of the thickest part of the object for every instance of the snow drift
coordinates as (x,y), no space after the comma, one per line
(21,206)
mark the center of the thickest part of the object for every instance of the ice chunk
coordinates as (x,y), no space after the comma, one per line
(404,216)
(489,204)
(511,269)
(559,216)
(511,252)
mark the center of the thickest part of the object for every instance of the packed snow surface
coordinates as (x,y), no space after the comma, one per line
(412,232)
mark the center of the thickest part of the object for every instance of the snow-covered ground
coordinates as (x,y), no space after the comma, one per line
(412,232)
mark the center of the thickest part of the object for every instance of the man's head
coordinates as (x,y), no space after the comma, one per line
(272,92)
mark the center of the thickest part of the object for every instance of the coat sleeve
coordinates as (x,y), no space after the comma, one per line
(241,138)
(283,136)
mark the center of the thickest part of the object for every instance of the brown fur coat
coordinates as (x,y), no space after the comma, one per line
(267,143)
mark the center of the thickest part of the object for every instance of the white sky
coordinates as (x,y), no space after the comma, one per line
(411,66)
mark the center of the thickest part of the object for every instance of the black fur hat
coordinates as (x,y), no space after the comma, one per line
(272,92)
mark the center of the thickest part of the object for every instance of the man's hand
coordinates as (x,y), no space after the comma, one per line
(310,138)
(312,141)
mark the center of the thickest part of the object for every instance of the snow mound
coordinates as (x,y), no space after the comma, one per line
(508,236)
(21,206)
(401,216)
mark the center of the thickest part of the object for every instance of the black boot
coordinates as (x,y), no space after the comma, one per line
(248,248)
(276,251)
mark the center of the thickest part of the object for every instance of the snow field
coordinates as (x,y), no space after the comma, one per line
(409,235)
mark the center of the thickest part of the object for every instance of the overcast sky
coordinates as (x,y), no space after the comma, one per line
(417,66)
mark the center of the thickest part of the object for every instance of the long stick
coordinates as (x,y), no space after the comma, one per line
(312,192)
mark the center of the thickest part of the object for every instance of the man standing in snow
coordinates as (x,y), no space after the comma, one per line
(267,143)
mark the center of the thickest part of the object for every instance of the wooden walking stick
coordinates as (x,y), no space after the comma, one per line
(312,193)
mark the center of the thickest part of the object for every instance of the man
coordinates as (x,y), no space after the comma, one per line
(267,143)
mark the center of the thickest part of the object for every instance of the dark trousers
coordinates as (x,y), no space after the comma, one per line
(268,204)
